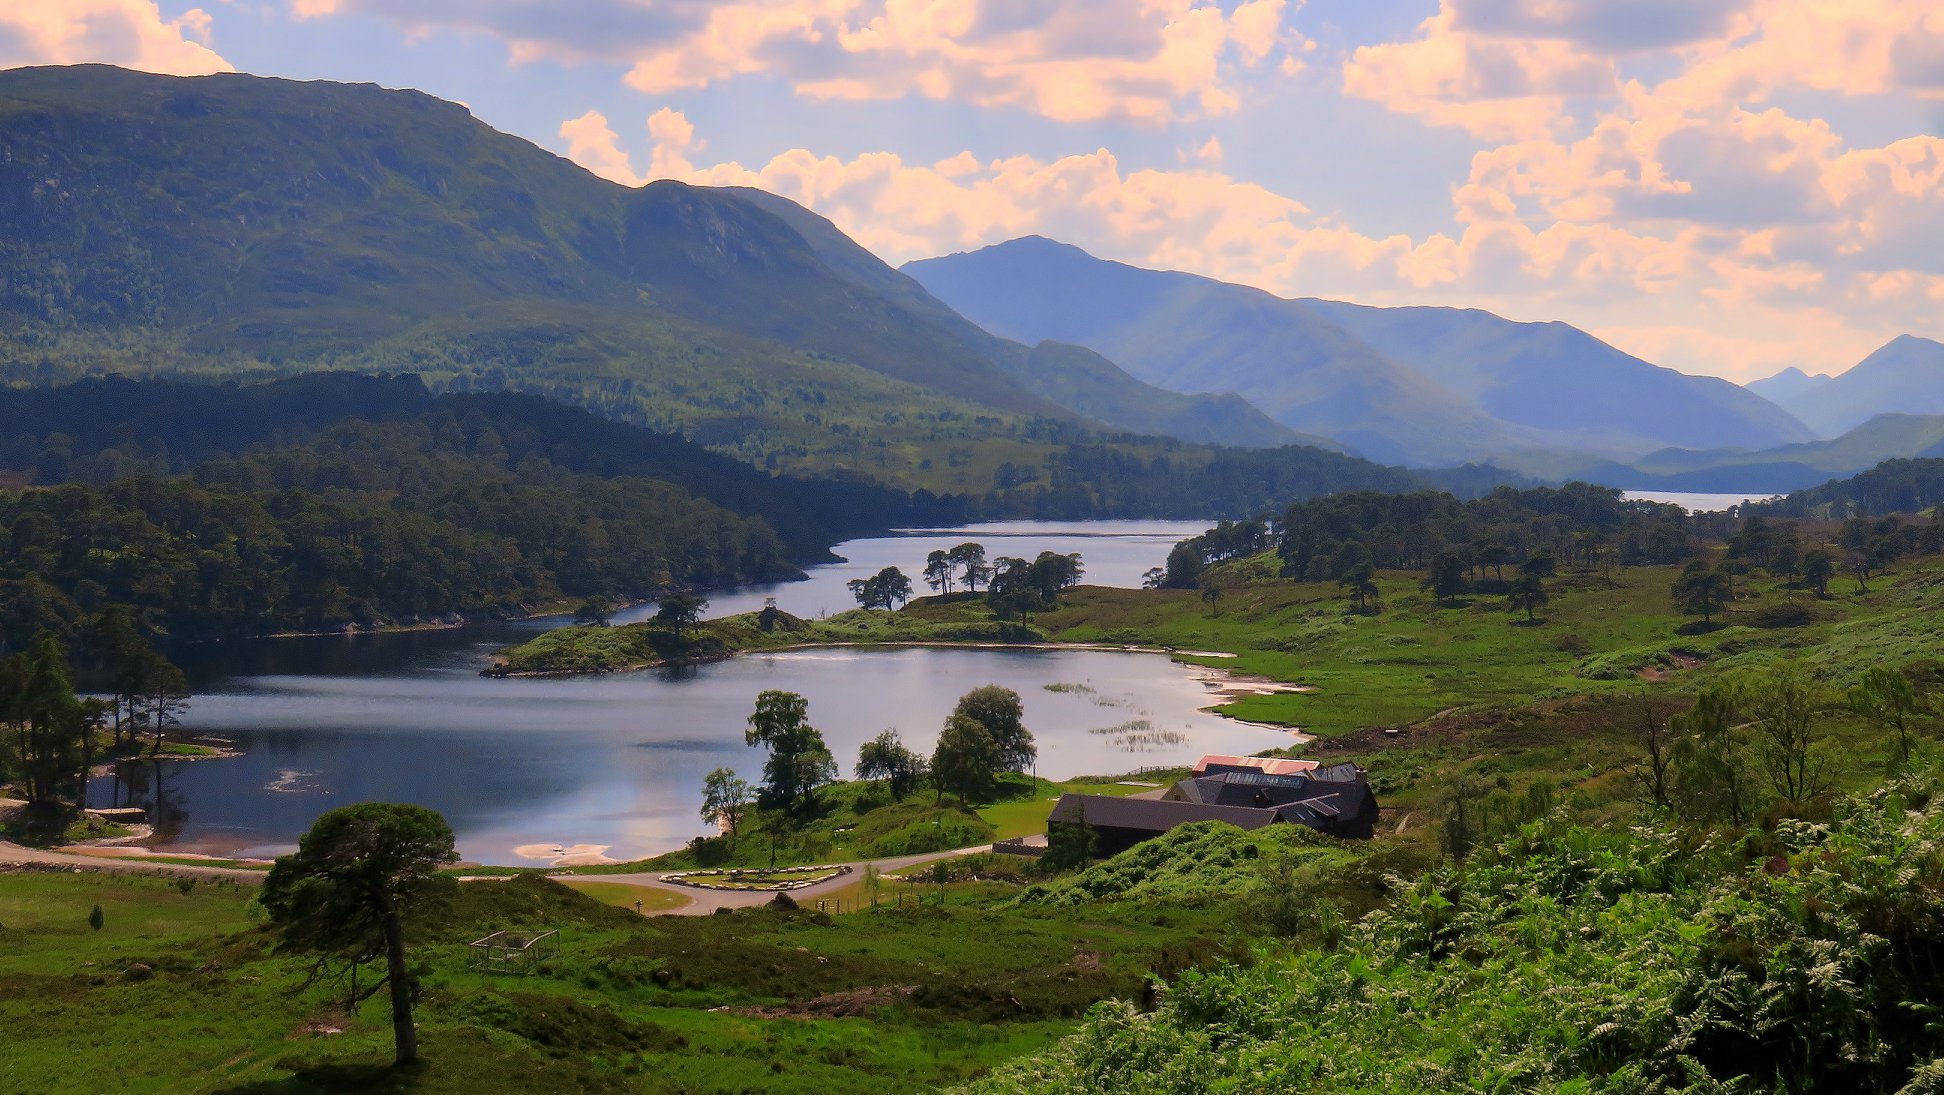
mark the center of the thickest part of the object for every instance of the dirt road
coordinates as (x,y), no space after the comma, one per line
(14,854)
(705,902)
(701,902)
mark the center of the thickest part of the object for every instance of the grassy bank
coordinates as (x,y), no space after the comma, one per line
(1413,658)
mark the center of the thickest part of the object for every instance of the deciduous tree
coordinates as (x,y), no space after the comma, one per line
(1710,760)
(965,761)
(1784,703)
(1653,772)
(1887,698)
(798,761)
(885,757)
(725,799)
(999,710)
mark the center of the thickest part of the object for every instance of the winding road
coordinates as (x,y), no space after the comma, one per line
(704,902)
(701,902)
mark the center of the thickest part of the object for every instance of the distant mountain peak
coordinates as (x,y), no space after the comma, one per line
(1795,373)
(1421,385)
(1907,340)
(1905,375)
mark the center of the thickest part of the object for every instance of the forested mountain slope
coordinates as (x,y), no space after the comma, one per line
(98,430)
(328,499)
(231,223)
(1894,486)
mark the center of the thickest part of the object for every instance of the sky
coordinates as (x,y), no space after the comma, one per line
(1721,186)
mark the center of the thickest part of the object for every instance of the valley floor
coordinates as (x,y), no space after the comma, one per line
(935,986)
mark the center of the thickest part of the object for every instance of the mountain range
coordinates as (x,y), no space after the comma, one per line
(1420,385)
(231,224)
(235,226)
(1766,471)
(1904,376)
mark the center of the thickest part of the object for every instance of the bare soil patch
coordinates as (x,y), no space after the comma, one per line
(836,1005)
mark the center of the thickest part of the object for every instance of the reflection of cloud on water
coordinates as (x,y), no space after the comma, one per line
(817,656)
(291,782)
(1139,736)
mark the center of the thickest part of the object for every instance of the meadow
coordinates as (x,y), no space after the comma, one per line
(180,991)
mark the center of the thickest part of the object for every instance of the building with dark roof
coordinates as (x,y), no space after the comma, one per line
(1246,798)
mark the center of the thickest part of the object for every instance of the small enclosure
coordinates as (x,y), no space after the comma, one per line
(513,952)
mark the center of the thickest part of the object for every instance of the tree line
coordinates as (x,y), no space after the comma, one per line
(51,736)
(1473,541)
(1160,479)
(1894,486)
(99,430)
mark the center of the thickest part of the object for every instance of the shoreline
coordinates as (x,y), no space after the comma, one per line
(1227,685)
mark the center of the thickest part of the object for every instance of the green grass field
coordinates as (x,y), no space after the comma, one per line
(758,1000)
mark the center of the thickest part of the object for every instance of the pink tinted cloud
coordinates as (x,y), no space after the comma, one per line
(1146,61)
(131,33)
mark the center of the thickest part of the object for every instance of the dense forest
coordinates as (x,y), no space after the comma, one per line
(102,429)
(1322,539)
(1894,486)
(332,499)
(369,524)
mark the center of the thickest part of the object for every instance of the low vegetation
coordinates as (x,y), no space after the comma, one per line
(1798,958)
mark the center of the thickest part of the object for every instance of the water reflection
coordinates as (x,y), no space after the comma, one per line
(619,760)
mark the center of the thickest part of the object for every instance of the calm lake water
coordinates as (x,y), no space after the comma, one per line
(618,760)
(1696,501)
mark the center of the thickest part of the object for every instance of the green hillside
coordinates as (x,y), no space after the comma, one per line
(232,225)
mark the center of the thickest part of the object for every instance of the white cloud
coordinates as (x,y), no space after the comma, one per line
(130,33)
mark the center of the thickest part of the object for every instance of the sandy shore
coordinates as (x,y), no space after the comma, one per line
(568,855)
